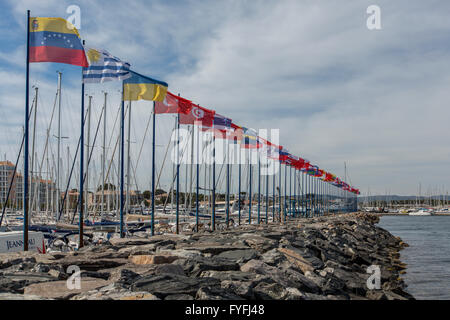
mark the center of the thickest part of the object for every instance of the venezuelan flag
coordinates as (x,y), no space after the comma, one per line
(55,40)
(139,87)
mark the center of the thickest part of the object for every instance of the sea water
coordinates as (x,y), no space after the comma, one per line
(428,255)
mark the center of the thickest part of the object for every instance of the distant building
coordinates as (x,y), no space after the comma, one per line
(41,192)
(6,175)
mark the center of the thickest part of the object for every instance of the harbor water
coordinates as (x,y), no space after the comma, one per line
(428,254)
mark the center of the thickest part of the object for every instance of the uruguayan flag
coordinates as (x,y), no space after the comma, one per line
(104,67)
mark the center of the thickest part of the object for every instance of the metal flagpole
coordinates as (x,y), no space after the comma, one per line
(299,190)
(285,191)
(319,184)
(25,169)
(239,187)
(81,191)
(279,191)
(295,188)
(323,197)
(315,194)
(178,176)
(311,199)
(302,197)
(290,190)
(305,193)
(318,195)
(324,204)
(310,202)
(153,171)
(214,185)
(198,173)
(250,188)
(267,197)
(273,197)
(313,189)
(330,187)
(307,196)
(259,188)
(228,185)
(122,147)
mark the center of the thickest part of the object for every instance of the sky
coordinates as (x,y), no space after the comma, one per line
(339,92)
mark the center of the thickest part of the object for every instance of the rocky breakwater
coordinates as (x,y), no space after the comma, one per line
(321,258)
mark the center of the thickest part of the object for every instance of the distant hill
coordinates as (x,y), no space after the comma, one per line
(398,198)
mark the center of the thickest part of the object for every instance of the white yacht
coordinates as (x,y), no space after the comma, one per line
(421,212)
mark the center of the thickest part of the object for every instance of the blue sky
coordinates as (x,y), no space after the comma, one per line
(377,100)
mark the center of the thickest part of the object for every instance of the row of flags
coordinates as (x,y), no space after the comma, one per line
(56,40)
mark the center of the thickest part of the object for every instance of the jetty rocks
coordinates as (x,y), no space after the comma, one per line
(325,258)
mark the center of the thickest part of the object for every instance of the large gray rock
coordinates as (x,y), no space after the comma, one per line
(213,248)
(258,242)
(16,282)
(179,297)
(301,282)
(194,267)
(243,289)
(169,269)
(302,259)
(169,284)
(273,257)
(89,262)
(239,256)
(228,275)
(257,266)
(59,289)
(15,296)
(215,293)
(269,291)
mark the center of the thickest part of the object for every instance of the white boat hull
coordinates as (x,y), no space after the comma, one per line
(419,213)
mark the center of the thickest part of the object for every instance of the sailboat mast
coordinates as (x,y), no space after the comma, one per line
(33,149)
(59,147)
(128,161)
(88,143)
(104,156)
(68,178)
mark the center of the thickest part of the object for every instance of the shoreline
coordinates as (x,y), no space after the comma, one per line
(323,258)
(406,215)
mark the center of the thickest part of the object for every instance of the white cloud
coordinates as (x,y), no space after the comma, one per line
(339,92)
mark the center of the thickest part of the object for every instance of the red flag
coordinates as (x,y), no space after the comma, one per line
(173,104)
(198,114)
(298,164)
(306,166)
